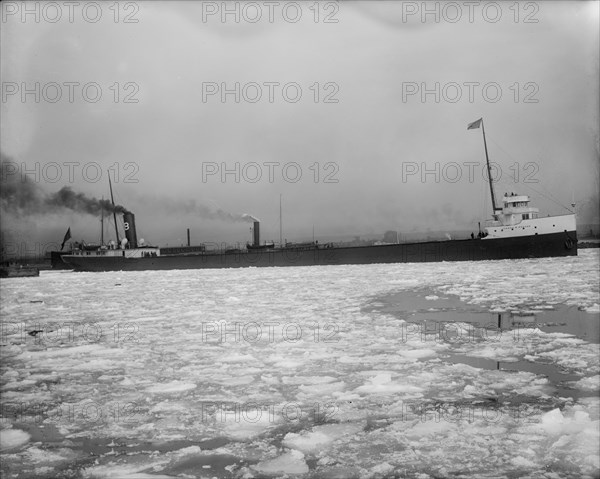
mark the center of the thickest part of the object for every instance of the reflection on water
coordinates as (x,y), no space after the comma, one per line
(518,324)
(446,319)
(423,307)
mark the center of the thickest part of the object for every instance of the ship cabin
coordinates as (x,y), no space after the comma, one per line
(517,218)
(515,208)
(140,252)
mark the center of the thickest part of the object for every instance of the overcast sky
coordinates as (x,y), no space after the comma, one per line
(360,123)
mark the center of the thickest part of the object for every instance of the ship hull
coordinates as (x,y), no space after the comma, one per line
(536,246)
(57,262)
(19,271)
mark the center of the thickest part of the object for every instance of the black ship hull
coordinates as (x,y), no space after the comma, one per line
(536,246)
(57,262)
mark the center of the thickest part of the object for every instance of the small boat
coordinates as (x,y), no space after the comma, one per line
(18,271)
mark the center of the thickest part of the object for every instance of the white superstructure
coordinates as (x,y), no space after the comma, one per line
(125,253)
(517,218)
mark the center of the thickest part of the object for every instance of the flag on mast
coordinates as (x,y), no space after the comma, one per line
(475,124)
(66,238)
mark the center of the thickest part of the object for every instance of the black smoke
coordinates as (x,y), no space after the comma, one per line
(21,196)
(67,198)
(17,193)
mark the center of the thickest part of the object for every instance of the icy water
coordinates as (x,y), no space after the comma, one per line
(448,320)
(318,372)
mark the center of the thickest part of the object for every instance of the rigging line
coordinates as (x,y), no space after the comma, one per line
(509,155)
(548,195)
(514,160)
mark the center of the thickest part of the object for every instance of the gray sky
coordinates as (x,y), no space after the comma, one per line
(542,57)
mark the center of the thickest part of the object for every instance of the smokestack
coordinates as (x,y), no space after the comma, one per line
(188,236)
(129,224)
(256,231)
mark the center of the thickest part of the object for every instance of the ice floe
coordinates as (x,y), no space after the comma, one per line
(140,375)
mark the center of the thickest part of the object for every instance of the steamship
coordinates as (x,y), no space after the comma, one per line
(515,231)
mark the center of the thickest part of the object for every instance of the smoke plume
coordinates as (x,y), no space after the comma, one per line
(67,198)
(21,196)
(248,217)
(190,207)
(17,195)
(216,213)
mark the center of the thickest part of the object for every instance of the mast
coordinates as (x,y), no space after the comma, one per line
(280,223)
(114,212)
(102,223)
(487,159)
